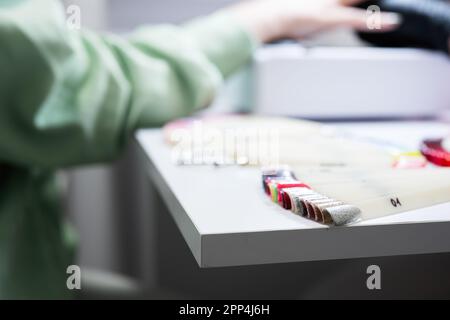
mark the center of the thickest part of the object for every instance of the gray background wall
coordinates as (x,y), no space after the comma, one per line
(127,14)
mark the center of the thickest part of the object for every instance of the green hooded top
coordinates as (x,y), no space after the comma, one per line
(70,97)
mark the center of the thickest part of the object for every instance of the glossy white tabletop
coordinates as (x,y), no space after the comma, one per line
(226,218)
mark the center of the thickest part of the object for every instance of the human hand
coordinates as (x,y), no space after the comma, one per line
(270,20)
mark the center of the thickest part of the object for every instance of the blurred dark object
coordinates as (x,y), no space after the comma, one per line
(4,170)
(425,24)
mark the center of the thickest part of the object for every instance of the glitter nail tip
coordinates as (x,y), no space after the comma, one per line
(284,189)
(343,214)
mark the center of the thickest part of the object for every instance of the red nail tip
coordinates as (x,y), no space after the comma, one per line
(435,153)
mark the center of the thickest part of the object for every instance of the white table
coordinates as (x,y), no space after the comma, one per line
(227,220)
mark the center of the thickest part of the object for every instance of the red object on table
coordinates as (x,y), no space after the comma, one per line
(435,152)
(282,197)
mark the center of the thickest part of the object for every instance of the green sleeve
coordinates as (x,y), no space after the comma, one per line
(69,97)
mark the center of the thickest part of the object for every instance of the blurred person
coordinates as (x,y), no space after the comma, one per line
(71,97)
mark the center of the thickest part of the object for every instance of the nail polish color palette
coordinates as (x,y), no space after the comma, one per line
(326,175)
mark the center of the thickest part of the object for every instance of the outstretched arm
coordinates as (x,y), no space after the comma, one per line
(71,97)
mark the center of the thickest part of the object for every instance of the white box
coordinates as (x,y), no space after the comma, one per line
(355,82)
